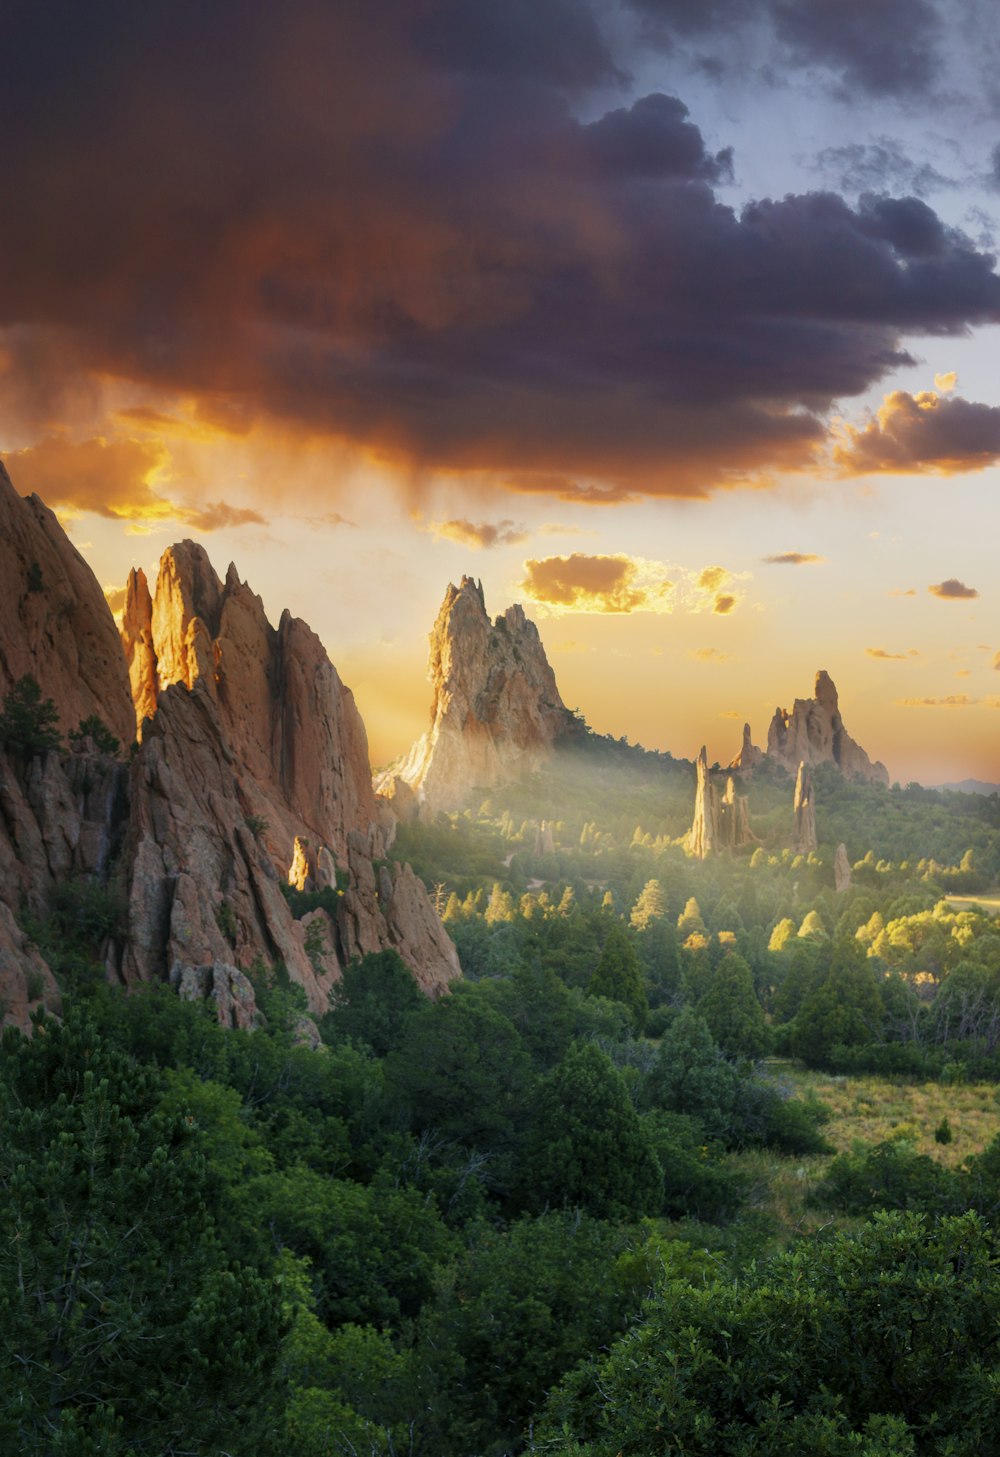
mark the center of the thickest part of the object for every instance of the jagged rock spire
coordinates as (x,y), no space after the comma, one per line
(496,710)
(813,732)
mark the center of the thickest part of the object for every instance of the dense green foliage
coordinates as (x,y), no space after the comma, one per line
(482,1225)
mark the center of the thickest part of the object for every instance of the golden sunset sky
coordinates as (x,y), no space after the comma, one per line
(675,322)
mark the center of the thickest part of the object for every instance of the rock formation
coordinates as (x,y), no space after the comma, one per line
(804,810)
(54,621)
(749,755)
(841,870)
(719,823)
(255,765)
(703,837)
(251,747)
(544,840)
(294,734)
(496,710)
(813,733)
(734,819)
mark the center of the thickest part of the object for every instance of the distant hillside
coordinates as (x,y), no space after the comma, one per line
(969,786)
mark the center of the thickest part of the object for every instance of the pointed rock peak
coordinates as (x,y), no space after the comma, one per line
(826,691)
(813,732)
(749,755)
(702,760)
(496,711)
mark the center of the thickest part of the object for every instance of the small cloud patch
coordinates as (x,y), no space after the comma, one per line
(479,535)
(952,590)
(793,558)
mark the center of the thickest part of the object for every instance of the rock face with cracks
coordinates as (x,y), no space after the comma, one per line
(295,736)
(813,733)
(55,625)
(260,748)
(250,745)
(496,710)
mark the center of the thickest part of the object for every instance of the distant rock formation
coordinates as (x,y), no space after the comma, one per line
(749,755)
(719,823)
(841,870)
(55,624)
(544,842)
(734,819)
(813,733)
(496,711)
(804,811)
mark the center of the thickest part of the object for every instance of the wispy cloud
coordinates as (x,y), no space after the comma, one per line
(954,700)
(479,535)
(793,558)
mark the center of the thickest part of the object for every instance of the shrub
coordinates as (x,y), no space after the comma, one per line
(28,721)
(96,729)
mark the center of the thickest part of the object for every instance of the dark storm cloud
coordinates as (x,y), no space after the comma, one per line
(885,47)
(384,222)
(653,138)
(881,47)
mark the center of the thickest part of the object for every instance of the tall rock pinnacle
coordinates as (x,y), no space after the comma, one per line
(496,710)
(749,755)
(719,823)
(814,733)
(804,810)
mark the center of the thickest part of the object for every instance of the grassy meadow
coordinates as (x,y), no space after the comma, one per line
(866,1110)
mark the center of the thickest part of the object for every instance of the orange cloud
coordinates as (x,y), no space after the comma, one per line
(115,597)
(712,577)
(925,433)
(581,583)
(709,655)
(892,657)
(118,479)
(480,534)
(724,603)
(952,590)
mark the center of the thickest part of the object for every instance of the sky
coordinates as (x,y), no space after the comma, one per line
(674,320)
